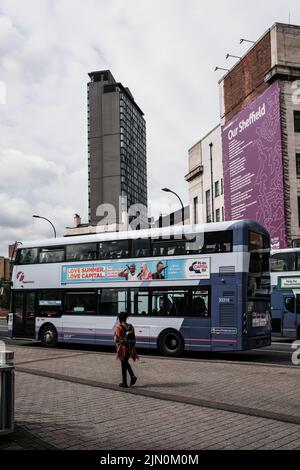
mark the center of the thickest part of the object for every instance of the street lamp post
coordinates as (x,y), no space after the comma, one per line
(167,190)
(44,218)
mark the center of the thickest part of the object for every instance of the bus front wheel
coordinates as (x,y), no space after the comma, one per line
(171,343)
(48,336)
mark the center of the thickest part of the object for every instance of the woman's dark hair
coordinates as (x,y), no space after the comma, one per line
(122,316)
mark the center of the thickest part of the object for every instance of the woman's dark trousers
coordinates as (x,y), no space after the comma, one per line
(126,367)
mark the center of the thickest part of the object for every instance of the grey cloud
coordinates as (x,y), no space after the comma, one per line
(165,51)
(14,212)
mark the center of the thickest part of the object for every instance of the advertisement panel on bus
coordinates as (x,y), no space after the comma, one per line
(197,268)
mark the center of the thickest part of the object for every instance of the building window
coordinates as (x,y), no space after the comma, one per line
(223,216)
(218,215)
(297,121)
(217,189)
(298,164)
(299,211)
(208,208)
(222,186)
(196,210)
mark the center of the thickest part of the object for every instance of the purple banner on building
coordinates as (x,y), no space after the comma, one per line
(253,168)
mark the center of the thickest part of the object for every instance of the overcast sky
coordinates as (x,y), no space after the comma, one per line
(165,51)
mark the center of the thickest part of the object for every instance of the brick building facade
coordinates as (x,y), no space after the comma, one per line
(274,57)
(4,268)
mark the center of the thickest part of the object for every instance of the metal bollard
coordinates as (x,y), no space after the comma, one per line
(7,391)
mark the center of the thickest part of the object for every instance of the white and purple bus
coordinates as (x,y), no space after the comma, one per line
(285,297)
(199,288)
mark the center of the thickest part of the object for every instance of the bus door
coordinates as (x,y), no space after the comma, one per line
(24,314)
(277,302)
(289,317)
(298,316)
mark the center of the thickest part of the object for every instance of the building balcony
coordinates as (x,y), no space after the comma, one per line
(283,72)
(198,171)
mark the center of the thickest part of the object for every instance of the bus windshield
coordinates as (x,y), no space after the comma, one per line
(285,297)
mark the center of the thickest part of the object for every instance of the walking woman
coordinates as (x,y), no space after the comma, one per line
(125,343)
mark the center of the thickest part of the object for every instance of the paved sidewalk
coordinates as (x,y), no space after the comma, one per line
(71,416)
(60,414)
(263,387)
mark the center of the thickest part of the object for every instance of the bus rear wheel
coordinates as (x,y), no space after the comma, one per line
(48,336)
(171,343)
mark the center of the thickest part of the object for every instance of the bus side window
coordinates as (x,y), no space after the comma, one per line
(80,302)
(200,304)
(165,304)
(115,249)
(289,303)
(139,302)
(28,256)
(161,303)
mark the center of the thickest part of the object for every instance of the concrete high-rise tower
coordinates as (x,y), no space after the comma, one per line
(116,146)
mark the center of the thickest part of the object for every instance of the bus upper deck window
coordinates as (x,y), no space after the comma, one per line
(194,243)
(281,262)
(28,256)
(114,249)
(52,255)
(81,252)
(258,241)
(141,247)
(217,242)
(168,247)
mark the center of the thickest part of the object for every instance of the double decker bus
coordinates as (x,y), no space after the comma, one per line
(199,288)
(285,296)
